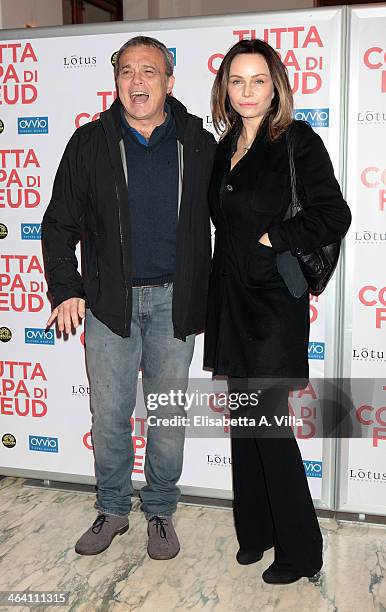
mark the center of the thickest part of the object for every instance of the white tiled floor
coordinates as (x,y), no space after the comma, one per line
(38,529)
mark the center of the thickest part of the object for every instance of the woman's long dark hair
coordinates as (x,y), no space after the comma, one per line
(279,114)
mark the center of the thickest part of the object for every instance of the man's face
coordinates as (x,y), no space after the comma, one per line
(142,84)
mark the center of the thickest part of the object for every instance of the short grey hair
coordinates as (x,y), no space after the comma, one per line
(146,41)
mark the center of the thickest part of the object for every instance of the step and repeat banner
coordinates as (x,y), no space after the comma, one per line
(50,85)
(363,458)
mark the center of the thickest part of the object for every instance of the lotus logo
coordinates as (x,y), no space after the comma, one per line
(79,61)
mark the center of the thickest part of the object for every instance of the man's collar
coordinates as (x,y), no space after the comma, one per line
(165,123)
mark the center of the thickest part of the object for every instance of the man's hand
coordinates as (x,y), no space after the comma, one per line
(68,313)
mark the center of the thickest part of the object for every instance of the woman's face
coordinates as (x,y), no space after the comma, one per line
(250,88)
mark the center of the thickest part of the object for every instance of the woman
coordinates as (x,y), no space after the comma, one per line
(256,332)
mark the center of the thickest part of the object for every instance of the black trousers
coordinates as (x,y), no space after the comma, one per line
(272,502)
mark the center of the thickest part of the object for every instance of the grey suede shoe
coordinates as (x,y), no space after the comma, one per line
(101,533)
(163,541)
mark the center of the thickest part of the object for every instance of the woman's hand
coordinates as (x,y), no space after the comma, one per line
(264,239)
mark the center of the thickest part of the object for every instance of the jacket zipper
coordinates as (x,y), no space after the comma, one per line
(120,232)
(184,254)
(122,251)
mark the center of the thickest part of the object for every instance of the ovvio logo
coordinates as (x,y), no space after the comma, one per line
(316,350)
(32,125)
(313,469)
(317,117)
(31,231)
(35,335)
(43,444)
(173,51)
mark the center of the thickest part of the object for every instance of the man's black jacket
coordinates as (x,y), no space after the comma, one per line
(90,203)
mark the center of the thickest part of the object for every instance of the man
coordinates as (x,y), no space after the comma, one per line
(132,187)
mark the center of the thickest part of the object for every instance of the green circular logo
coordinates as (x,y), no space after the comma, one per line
(8,440)
(3,231)
(113,58)
(5,334)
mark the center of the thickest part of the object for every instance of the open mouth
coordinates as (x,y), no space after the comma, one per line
(139,97)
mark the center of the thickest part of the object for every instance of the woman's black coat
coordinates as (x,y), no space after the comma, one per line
(255,328)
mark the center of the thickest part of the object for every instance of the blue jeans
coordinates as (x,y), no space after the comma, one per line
(113,364)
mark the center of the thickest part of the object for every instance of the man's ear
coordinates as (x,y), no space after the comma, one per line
(170,84)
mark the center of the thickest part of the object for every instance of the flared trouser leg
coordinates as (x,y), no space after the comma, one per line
(272,501)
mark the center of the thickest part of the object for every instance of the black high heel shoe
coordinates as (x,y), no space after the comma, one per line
(246,557)
(278,573)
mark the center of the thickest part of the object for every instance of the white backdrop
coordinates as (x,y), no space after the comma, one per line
(50,85)
(363,461)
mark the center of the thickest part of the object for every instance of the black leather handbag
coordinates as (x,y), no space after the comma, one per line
(311,271)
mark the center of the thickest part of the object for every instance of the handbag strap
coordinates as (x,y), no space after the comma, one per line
(295,203)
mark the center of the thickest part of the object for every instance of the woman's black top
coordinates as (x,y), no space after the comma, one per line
(255,328)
